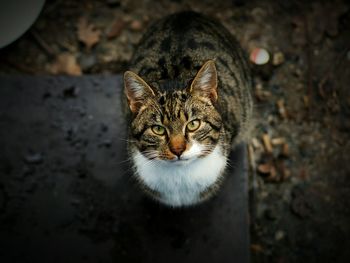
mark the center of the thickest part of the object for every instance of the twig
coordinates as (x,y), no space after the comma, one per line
(21,67)
(267,143)
(252,169)
(42,43)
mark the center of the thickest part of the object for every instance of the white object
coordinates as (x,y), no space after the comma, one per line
(259,56)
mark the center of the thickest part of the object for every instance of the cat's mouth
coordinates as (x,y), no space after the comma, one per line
(181,160)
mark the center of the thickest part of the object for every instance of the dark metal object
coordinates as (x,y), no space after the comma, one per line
(16,16)
(78,203)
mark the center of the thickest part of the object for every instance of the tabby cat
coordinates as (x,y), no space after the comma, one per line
(189,102)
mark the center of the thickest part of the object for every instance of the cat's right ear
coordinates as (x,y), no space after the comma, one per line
(205,82)
(136,90)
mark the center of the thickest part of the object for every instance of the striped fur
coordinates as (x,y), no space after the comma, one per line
(187,67)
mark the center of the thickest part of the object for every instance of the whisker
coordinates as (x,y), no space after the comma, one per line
(129,159)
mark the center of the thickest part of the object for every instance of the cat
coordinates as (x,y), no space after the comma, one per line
(188,102)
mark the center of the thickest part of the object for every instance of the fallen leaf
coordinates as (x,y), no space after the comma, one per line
(282,169)
(116,28)
(65,63)
(303,174)
(285,150)
(306,101)
(301,204)
(256,248)
(87,33)
(282,109)
(273,175)
(256,143)
(136,25)
(278,58)
(267,143)
(277,141)
(264,168)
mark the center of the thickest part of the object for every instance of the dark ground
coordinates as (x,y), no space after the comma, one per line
(67,194)
(300,192)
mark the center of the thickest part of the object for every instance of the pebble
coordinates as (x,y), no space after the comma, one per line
(71,92)
(259,56)
(27,170)
(87,61)
(279,235)
(271,214)
(104,127)
(277,59)
(116,28)
(136,25)
(34,158)
(301,206)
(75,202)
(106,143)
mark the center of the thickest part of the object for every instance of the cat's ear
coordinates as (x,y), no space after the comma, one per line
(136,90)
(206,81)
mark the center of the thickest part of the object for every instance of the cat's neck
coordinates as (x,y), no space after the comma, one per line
(181,184)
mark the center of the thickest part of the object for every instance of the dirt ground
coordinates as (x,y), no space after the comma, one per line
(300,180)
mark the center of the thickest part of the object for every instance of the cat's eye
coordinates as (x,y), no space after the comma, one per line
(193,125)
(157,129)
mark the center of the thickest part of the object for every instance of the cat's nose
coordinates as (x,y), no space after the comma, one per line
(178,150)
(177,145)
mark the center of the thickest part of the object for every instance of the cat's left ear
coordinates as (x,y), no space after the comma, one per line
(136,90)
(206,81)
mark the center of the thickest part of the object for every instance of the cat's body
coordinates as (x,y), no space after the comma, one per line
(189,106)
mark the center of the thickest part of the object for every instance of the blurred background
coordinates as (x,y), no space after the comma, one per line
(300,56)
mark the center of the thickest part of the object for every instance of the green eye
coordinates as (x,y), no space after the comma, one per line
(193,125)
(159,130)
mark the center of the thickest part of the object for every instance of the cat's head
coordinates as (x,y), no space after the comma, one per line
(179,125)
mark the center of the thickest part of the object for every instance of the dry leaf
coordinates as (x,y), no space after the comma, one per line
(256,248)
(136,25)
(264,168)
(282,109)
(65,63)
(303,174)
(273,175)
(257,145)
(282,169)
(278,58)
(116,28)
(87,33)
(285,172)
(285,150)
(277,141)
(306,101)
(267,143)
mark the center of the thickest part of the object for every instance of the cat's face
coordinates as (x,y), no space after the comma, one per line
(175,126)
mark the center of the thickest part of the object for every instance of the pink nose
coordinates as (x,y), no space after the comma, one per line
(177,145)
(178,149)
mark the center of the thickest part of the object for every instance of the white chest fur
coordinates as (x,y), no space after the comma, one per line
(180,184)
